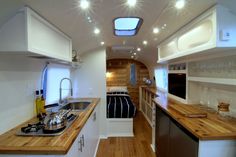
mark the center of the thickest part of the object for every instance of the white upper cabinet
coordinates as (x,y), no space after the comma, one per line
(30,34)
(214,29)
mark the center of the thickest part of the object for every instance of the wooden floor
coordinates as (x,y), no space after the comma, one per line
(137,146)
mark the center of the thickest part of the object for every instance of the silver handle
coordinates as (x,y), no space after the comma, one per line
(94,116)
(82,143)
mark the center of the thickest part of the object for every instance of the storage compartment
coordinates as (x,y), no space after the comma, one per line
(173,140)
(29,34)
(205,35)
(182,143)
(197,36)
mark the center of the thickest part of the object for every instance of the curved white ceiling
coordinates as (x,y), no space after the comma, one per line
(67,15)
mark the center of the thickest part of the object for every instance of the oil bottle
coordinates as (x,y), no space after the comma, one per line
(42,103)
(37,103)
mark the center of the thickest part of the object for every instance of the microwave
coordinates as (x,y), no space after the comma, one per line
(177,84)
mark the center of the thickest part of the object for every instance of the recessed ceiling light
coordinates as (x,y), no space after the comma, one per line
(102,43)
(165,25)
(96,31)
(138,49)
(84,4)
(135,53)
(145,42)
(156,30)
(132,56)
(179,4)
(131,3)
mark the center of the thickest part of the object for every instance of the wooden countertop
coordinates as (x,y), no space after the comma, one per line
(12,144)
(213,127)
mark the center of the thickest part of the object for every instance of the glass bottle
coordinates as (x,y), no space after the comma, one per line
(42,103)
(37,102)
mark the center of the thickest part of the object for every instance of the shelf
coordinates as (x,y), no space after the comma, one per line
(177,71)
(223,81)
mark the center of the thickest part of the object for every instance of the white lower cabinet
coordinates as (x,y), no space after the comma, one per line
(86,143)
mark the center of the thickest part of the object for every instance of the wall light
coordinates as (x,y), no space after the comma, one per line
(108,74)
(84,4)
(179,4)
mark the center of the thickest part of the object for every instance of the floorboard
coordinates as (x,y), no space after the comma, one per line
(137,146)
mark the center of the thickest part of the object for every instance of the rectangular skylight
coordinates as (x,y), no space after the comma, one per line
(127,26)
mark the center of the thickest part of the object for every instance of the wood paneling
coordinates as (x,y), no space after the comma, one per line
(120,76)
(137,146)
(12,144)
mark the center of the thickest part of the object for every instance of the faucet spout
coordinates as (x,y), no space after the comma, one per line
(60,89)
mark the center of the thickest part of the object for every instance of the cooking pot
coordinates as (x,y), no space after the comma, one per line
(55,122)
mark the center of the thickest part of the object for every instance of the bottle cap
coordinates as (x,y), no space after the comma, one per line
(41,91)
(37,92)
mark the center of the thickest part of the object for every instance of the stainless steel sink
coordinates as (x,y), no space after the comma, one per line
(77,105)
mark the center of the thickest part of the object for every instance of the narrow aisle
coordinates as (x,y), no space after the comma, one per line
(137,146)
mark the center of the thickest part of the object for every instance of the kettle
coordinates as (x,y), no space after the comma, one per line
(55,121)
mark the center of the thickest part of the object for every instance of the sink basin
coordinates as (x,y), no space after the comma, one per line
(77,105)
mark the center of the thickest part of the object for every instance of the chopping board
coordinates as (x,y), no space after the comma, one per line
(190,111)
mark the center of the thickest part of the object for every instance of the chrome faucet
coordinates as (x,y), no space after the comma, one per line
(60,90)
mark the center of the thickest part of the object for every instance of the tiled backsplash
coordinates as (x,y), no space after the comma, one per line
(208,93)
(219,68)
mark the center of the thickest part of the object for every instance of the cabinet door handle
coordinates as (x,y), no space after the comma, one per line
(80,145)
(82,138)
(94,116)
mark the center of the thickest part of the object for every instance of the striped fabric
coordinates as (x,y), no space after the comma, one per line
(120,106)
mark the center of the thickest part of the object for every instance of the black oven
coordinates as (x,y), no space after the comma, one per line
(177,84)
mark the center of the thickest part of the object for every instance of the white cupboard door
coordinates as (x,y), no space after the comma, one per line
(46,39)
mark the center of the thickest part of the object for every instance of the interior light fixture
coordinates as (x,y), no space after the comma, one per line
(96,31)
(135,53)
(138,49)
(108,74)
(102,43)
(145,42)
(131,3)
(179,4)
(132,56)
(156,30)
(84,4)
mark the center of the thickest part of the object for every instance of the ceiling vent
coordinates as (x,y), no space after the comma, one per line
(122,48)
